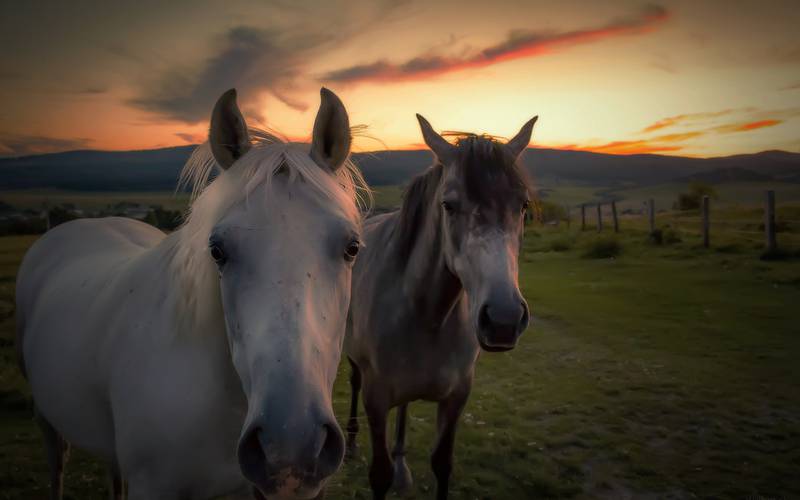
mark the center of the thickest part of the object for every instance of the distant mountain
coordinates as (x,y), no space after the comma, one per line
(158,169)
(147,170)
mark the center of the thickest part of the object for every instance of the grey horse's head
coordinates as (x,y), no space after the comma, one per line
(285,254)
(482,196)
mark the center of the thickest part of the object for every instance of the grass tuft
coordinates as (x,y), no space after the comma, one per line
(602,247)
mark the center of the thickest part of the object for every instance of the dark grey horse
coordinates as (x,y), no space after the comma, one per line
(436,282)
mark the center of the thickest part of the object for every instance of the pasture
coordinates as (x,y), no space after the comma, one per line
(666,371)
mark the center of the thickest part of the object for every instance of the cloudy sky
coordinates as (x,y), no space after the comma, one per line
(700,78)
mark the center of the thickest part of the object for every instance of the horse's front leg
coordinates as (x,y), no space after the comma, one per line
(402,481)
(447,417)
(117,482)
(380,470)
(352,422)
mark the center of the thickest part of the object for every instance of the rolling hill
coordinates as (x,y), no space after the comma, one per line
(157,170)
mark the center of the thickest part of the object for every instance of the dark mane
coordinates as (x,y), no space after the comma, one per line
(416,199)
(491,176)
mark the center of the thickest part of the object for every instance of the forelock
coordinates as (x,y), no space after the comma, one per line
(490,173)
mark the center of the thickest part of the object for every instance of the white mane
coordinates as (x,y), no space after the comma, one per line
(190,261)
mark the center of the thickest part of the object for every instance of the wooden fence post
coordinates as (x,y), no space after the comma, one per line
(599,218)
(614,215)
(769,223)
(583,217)
(567,212)
(706,222)
(651,207)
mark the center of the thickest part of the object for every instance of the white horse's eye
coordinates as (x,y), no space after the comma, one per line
(351,250)
(217,254)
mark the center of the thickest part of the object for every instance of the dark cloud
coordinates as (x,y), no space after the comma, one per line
(10,75)
(518,44)
(92,90)
(782,55)
(21,145)
(250,59)
(257,60)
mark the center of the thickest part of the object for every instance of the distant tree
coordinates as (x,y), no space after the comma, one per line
(164,219)
(5,208)
(22,225)
(692,199)
(61,214)
(546,211)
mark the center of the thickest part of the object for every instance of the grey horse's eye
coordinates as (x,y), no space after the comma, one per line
(351,250)
(448,207)
(217,253)
(525,205)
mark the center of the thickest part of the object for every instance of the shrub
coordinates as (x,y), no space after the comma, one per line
(561,243)
(691,200)
(671,236)
(603,247)
(665,236)
(777,254)
(729,248)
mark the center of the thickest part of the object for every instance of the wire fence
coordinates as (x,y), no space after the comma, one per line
(771,226)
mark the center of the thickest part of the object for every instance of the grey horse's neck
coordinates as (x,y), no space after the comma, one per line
(429,285)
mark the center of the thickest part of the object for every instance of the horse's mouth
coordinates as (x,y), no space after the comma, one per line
(495,347)
(293,489)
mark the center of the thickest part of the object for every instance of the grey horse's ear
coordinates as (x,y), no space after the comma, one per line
(228,135)
(440,147)
(520,142)
(330,142)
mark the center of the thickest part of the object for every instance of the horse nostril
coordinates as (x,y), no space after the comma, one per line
(252,460)
(484,321)
(524,318)
(331,452)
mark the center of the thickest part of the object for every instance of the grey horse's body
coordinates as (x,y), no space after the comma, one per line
(436,282)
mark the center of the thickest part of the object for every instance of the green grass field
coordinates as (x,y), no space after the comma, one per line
(668,371)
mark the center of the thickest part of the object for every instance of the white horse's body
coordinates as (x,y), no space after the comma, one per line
(104,369)
(201,363)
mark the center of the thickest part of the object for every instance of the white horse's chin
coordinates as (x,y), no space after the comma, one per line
(297,491)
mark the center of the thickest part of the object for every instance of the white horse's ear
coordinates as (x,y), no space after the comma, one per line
(330,142)
(228,135)
(440,147)
(520,142)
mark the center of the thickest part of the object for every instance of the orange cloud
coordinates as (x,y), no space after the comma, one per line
(688,117)
(660,144)
(744,127)
(519,44)
(624,147)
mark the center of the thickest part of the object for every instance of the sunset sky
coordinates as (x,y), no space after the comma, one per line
(699,78)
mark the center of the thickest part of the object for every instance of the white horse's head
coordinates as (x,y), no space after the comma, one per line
(284,251)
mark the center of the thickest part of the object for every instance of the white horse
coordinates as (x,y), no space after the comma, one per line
(201,363)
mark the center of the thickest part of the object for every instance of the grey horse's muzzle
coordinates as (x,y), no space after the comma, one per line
(501,322)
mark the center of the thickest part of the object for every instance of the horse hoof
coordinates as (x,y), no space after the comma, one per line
(402,481)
